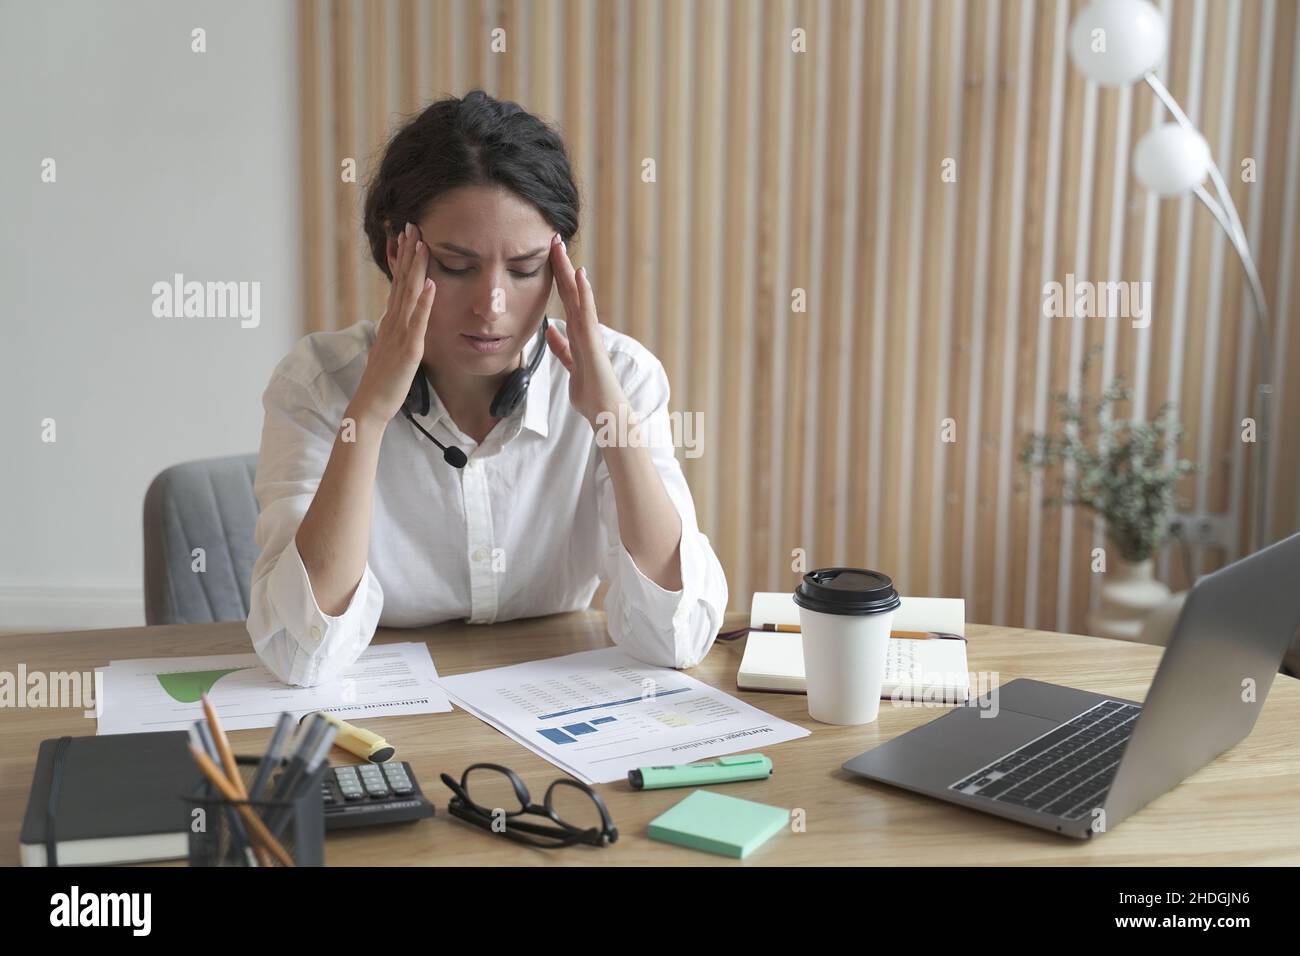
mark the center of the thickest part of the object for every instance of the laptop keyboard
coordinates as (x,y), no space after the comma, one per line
(1067,771)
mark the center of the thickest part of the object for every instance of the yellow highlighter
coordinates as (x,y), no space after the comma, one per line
(356,740)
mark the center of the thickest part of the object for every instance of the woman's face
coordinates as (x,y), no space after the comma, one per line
(489,258)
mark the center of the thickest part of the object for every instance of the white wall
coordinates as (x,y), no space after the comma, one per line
(167,161)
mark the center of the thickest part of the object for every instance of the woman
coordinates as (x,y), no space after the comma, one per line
(363,520)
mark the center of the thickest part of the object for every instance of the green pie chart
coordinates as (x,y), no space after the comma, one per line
(186,687)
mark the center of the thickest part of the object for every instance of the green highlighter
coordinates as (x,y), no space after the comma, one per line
(723,770)
(719,824)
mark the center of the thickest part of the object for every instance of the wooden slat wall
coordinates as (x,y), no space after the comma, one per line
(821,171)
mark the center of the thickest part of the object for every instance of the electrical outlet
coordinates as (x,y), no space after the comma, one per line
(1215,530)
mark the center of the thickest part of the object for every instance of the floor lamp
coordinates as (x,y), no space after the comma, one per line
(1118,43)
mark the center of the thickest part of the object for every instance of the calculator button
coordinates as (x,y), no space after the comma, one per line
(400,783)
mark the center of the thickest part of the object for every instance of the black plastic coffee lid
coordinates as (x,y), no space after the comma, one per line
(847,591)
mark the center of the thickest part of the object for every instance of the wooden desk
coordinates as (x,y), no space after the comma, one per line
(1244,808)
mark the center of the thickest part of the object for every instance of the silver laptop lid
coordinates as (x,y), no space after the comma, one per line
(1233,632)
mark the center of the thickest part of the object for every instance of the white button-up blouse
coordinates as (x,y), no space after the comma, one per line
(528,527)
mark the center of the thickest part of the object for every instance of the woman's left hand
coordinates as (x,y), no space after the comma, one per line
(593,386)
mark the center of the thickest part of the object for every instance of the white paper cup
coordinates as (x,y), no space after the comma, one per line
(844,663)
(846,642)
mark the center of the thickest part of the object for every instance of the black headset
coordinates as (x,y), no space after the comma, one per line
(507,399)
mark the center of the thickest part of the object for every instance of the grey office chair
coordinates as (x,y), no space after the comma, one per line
(1160,624)
(205,504)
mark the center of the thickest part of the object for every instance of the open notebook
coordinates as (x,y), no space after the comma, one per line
(933,669)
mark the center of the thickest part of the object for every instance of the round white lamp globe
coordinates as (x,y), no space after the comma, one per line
(1117,42)
(1171,160)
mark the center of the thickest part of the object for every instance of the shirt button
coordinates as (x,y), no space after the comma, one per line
(315,631)
(481,554)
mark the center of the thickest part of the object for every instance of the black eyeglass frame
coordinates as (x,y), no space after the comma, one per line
(562,835)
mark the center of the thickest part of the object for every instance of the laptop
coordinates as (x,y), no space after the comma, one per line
(1078,763)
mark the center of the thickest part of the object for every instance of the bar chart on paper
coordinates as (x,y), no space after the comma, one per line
(655,708)
(568,733)
(598,714)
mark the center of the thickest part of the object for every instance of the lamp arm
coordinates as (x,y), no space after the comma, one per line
(1247,265)
(1225,213)
(1215,208)
(1171,104)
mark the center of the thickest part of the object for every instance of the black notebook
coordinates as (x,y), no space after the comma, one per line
(120,799)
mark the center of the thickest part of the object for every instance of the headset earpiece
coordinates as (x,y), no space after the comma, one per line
(417,397)
(515,388)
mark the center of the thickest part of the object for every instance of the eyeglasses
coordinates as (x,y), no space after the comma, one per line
(494,797)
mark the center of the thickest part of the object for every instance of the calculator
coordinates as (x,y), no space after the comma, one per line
(370,794)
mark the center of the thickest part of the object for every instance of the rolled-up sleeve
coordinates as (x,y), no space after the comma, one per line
(294,638)
(667,628)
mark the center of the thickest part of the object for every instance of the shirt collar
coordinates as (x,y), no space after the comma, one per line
(537,400)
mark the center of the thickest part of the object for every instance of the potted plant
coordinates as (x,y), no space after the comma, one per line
(1117,469)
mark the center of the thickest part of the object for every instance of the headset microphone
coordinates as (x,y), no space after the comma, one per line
(452,456)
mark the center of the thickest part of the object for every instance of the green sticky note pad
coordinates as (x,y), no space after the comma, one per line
(719,824)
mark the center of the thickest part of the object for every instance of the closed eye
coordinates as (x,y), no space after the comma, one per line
(468,269)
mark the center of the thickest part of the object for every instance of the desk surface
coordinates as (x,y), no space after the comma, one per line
(1244,808)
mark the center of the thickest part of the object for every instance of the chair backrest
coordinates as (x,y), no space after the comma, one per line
(1161,622)
(206,505)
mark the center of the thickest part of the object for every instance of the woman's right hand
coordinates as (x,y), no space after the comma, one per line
(399,343)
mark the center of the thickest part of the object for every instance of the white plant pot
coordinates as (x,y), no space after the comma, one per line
(1129,592)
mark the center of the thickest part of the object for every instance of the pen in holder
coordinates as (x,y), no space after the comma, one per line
(220,835)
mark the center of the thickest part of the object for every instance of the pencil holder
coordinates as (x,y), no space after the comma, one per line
(220,835)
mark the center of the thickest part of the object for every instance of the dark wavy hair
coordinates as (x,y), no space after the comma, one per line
(469,141)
